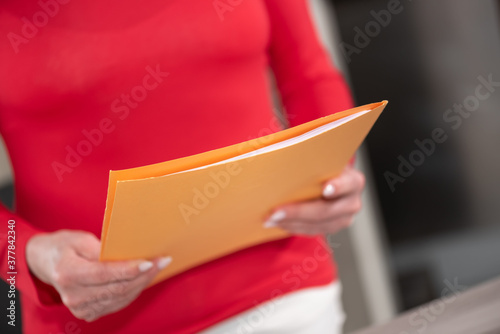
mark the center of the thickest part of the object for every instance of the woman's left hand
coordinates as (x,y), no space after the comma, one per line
(334,211)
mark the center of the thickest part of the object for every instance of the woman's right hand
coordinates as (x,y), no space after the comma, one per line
(69,261)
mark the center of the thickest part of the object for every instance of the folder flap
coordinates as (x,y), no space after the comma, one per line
(200,215)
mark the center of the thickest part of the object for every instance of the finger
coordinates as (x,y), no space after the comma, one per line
(124,288)
(99,273)
(101,298)
(350,181)
(125,297)
(90,303)
(316,210)
(317,227)
(87,245)
(94,311)
(100,308)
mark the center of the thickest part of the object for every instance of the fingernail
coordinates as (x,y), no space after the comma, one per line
(329,190)
(275,218)
(278,215)
(145,266)
(164,262)
(270,224)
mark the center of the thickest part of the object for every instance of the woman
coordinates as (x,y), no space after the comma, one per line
(92,86)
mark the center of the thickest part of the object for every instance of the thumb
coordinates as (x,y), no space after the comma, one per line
(86,245)
(98,273)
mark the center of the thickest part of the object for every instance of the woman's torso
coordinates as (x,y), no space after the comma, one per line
(91,86)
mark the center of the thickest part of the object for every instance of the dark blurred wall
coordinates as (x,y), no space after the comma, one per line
(435,150)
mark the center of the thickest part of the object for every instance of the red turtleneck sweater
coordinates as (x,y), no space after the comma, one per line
(89,86)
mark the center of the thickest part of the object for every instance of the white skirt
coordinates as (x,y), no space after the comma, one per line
(316,310)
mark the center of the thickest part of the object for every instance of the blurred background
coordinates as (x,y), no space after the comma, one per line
(434,220)
(431,207)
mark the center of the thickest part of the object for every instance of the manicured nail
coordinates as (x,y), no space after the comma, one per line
(275,218)
(329,190)
(278,215)
(145,266)
(164,262)
(270,224)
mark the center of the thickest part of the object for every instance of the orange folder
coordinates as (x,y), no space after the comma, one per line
(202,207)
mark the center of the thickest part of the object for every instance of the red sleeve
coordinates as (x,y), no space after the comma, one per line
(25,282)
(310,87)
